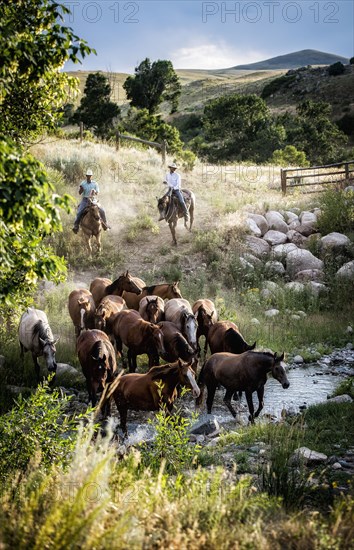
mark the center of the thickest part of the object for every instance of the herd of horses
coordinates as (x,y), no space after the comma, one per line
(169,210)
(126,315)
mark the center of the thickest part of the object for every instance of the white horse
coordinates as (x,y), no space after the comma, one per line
(179,312)
(35,335)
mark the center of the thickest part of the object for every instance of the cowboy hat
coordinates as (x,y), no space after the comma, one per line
(172,165)
(89,172)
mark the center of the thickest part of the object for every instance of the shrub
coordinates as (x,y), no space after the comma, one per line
(277,84)
(336,69)
(289,156)
(36,425)
(337,211)
(351,61)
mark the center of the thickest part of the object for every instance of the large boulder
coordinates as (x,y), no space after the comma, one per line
(261,222)
(274,269)
(290,217)
(308,217)
(309,275)
(256,262)
(295,286)
(306,229)
(280,251)
(253,227)
(295,237)
(334,241)
(346,271)
(257,246)
(275,237)
(304,455)
(276,221)
(300,260)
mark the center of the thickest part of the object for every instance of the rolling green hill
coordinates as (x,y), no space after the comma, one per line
(294,60)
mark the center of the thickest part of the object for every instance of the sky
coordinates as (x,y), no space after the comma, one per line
(198,34)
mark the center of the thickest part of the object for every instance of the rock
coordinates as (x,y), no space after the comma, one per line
(255,321)
(309,275)
(290,217)
(281,251)
(270,285)
(349,189)
(295,237)
(298,359)
(304,455)
(257,246)
(300,260)
(295,317)
(275,237)
(67,375)
(266,294)
(271,312)
(276,221)
(317,288)
(247,266)
(295,287)
(346,271)
(334,241)
(345,398)
(261,222)
(306,229)
(336,466)
(213,442)
(301,313)
(274,268)
(253,227)
(256,262)
(349,330)
(205,427)
(308,217)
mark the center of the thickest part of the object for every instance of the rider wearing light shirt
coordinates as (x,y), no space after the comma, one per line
(88,189)
(173,180)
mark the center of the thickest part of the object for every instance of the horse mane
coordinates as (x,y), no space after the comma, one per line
(163,372)
(113,286)
(149,289)
(42,331)
(97,349)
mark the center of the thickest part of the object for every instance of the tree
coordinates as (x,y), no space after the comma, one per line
(289,156)
(153,83)
(96,110)
(312,131)
(34,46)
(336,69)
(239,127)
(150,127)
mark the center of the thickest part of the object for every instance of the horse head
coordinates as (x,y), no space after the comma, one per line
(162,205)
(157,337)
(152,310)
(49,350)
(187,377)
(174,291)
(128,283)
(278,371)
(190,327)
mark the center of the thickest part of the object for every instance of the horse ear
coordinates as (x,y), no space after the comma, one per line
(176,283)
(126,274)
(282,357)
(180,364)
(94,358)
(275,356)
(253,346)
(42,341)
(56,340)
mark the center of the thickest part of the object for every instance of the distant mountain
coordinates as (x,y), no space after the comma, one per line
(293,61)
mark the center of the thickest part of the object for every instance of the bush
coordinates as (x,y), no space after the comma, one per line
(336,69)
(337,211)
(351,61)
(289,156)
(277,84)
(36,425)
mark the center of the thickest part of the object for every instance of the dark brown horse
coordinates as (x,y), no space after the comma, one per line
(225,336)
(164,290)
(170,210)
(109,307)
(138,335)
(82,308)
(140,392)
(152,309)
(245,372)
(98,361)
(176,345)
(101,287)
(205,313)
(91,225)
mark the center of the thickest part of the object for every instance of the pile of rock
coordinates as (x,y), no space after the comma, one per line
(281,240)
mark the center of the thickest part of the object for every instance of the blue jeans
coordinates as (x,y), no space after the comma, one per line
(80,210)
(180,198)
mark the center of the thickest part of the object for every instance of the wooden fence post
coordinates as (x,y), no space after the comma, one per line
(117,141)
(283,181)
(81,132)
(346,167)
(163,152)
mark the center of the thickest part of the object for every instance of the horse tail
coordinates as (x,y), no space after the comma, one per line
(201,384)
(107,393)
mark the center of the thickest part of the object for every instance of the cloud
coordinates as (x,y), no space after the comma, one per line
(213,56)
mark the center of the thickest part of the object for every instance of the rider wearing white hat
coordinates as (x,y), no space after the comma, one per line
(88,189)
(173,180)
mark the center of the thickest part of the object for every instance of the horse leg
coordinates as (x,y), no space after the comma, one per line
(260,394)
(173,232)
(191,216)
(227,401)
(211,394)
(36,366)
(123,413)
(250,406)
(98,242)
(132,361)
